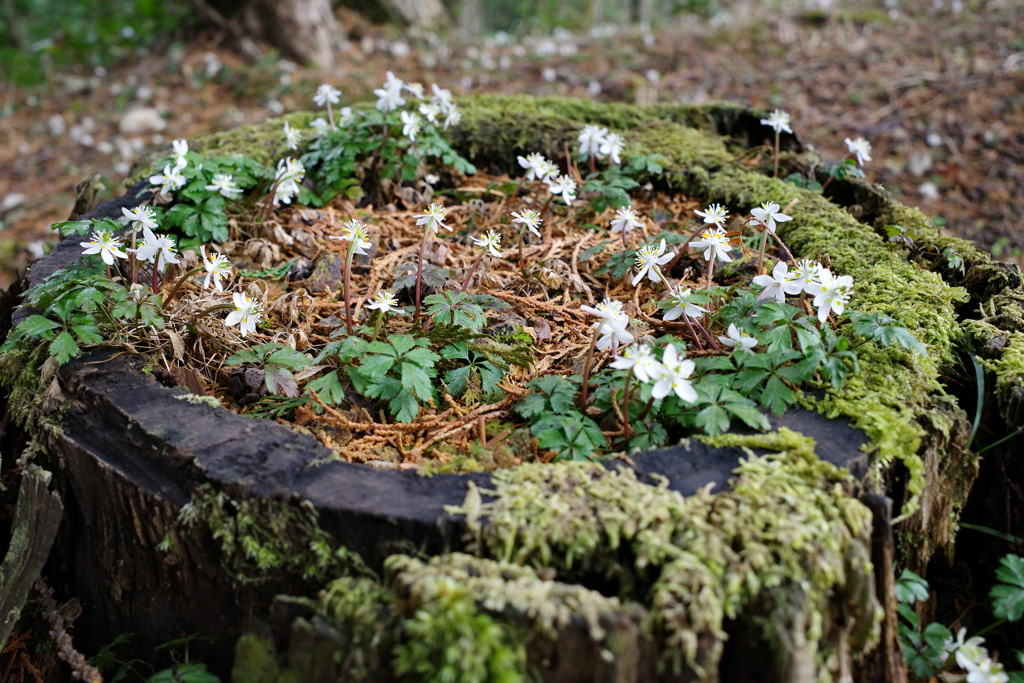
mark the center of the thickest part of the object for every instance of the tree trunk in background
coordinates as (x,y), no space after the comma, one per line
(471,16)
(305,30)
(424,14)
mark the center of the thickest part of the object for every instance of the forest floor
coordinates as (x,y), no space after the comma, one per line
(938,93)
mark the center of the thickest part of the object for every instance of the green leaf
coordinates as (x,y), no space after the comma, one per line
(402,344)
(68,228)
(404,406)
(243,356)
(1008,595)
(64,347)
(776,396)
(416,380)
(714,420)
(328,388)
(87,334)
(35,326)
(531,405)
(910,588)
(289,358)
(373,367)
(425,358)
(750,415)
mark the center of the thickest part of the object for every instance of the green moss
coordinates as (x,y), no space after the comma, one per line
(262,142)
(1008,369)
(255,660)
(894,389)
(261,538)
(694,561)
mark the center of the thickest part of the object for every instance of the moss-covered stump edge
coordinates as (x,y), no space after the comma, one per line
(223,488)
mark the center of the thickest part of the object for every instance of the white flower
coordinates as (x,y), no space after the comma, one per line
(715,214)
(319,125)
(106,245)
(640,360)
(538,168)
(805,274)
(415,88)
(613,333)
(565,186)
(530,218)
(491,241)
(860,147)
(390,96)
(591,138)
(986,671)
(430,112)
(434,217)
(648,258)
(225,185)
(673,377)
(355,232)
(831,293)
(326,93)
(289,174)
(453,119)
(345,116)
(442,97)
(779,283)
(385,302)
(715,243)
(608,310)
(411,125)
(778,120)
(140,217)
(681,305)
(217,267)
(737,338)
(625,220)
(612,146)
(155,247)
(767,215)
(972,648)
(246,315)
(170,181)
(180,150)
(291,136)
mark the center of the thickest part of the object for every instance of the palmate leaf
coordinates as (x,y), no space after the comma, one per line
(910,588)
(416,380)
(1008,595)
(64,348)
(884,330)
(289,358)
(328,388)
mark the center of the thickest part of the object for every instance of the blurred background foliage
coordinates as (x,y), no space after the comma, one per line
(44,36)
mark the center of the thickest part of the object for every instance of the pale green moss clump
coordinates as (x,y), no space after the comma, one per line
(788,522)
(455,618)
(260,538)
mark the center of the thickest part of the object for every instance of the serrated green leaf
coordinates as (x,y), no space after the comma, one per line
(776,396)
(402,344)
(243,356)
(425,358)
(404,406)
(713,419)
(750,415)
(36,326)
(374,367)
(910,588)
(1008,595)
(87,334)
(415,380)
(328,388)
(64,348)
(289,358)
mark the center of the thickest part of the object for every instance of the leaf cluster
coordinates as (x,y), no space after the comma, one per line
(278,362)
(373,143)
(556,423)
(398,371)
